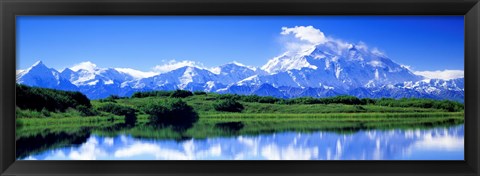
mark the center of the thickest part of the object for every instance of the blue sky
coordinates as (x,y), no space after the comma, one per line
(142,42)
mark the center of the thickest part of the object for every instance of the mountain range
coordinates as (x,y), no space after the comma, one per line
(326,69)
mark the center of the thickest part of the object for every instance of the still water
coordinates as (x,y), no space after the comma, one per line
(439,143)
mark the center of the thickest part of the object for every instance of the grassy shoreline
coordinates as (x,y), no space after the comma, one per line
(155,115)
(63,132)
(253,123)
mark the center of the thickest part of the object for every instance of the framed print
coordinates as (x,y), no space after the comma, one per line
(227,88)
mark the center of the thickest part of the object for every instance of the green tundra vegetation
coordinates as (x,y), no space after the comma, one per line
(183,114)
(61,118)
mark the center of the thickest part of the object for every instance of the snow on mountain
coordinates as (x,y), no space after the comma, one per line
(85,77)
(19,71)
(234,72)
(441,74)
(435,88)
(39,75)
(88,66)
(240,79)
(287,61)
(181,78)
(195,78)
(318,66)
(168,66)
(88,74)
(136,74)
(333,64)
(337,68)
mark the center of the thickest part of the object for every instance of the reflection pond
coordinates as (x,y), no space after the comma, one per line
(433,143)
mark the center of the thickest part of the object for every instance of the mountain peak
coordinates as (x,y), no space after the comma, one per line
(89,66)
(237,64)
(66,70)
(37,63)
(287,62)
(232,64)
(38,66)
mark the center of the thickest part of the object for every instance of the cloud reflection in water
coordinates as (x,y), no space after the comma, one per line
(437,143)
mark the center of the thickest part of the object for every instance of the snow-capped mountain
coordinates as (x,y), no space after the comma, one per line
(88,74)
(327,69)
(333,65)
(194,78)
(40,75)
(188,77)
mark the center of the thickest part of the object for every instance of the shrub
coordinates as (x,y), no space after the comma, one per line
(151,94)
(45,112)
(114,97)
(181,94)
(130,119)
(250,98)
(200,93)
(228,105)
(449,106)
(116,109)
(343,99)
(79,99)
(128,112)
(446,105)
(359,108)
(35,98)
(228,96)
(269,99)
(260,99)
(19,123)
(175,113)
(107,100)
(86,111)
(111,98)
(367,101)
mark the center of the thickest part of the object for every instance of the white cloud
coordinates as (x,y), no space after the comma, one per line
(290,152)
(302,38)
(439,74)
(189,152)
(30,158)
(89,66)
(362,46)
(88,151)
(56,155)
(305,33)
(150,150)
(108,141)
(441,143)
(376,51)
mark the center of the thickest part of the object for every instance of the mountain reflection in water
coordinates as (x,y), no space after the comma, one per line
(443,143)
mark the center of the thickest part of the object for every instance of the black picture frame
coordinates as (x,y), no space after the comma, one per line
(9,9)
